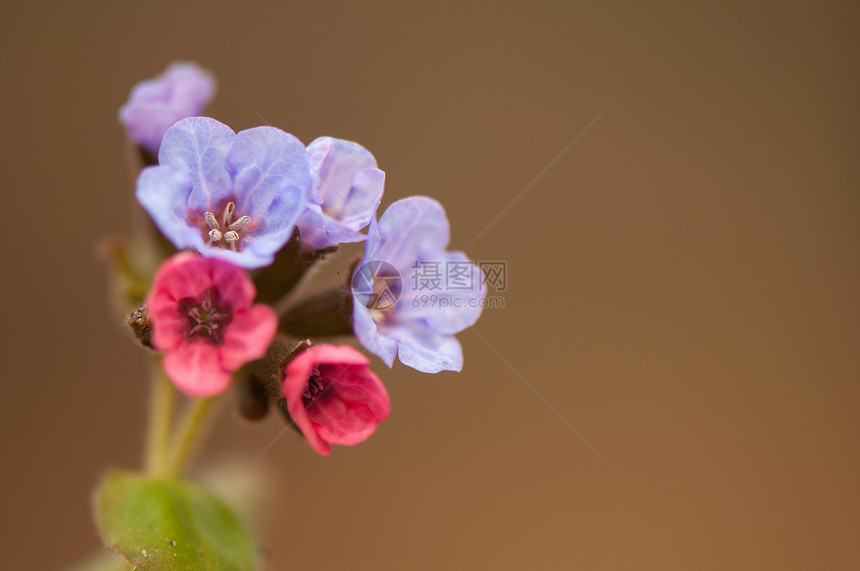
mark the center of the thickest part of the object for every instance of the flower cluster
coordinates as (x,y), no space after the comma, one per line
(253,210)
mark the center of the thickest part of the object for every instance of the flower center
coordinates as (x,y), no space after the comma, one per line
(227,233)
(314,389)
(377,285)
(206,319)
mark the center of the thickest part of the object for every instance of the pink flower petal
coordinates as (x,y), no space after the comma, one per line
(182,276)
(232,284)
(248,336)
(203,319)
(353,400)
(349,412)
(168,325)
(195,370)
(297,372)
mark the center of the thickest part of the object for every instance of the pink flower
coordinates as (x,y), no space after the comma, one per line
(203,319)
(333,397)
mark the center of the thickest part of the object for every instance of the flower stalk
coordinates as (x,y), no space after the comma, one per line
(190,429)
(160,416)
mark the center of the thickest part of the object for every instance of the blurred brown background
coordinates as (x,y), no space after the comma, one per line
(682,283)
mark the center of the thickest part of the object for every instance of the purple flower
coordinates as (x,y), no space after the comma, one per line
(411,296)
(183,90)
(345,193)
(231,196)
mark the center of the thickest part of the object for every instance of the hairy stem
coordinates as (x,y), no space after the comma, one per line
(160,416)
(186,434)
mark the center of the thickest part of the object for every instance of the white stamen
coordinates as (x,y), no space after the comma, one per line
(230,227)
(211,221)
(228,212)
(240,223)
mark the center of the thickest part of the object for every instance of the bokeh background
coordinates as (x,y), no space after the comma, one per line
(683,279)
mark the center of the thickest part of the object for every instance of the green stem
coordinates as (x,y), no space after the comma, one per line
(160,415)
(186,434)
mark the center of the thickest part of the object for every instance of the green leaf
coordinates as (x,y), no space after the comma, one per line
(166,524)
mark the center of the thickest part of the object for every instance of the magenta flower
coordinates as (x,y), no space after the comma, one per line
(333,397)
(183,90)
(203,319)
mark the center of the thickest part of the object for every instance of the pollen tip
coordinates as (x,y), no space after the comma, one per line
(211,221)
(240,223)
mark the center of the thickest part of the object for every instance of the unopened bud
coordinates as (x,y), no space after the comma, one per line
(140,324)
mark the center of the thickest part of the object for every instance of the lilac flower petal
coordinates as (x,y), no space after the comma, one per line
(267,163)
(346,190)
(163,193)
(270,182)
(248,258)
(319,230)
(198,146)
(336,161)
(154,105)
(317,152)
(146,124)
(252,187)
(363,198)
(191,86)
(367,332)
(424,318)
(451,308)
(409,230)
(421,348)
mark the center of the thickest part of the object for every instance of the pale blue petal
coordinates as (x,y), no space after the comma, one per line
(319,230)
(278,222)
(409,229)
(336,162)
(163,192)
(363,199)
(317,152)
(270,185)
(183,90)
(191,87)
(198,146)
(367,333)
(247,258)
(423,349)
(266,164)
(455,305)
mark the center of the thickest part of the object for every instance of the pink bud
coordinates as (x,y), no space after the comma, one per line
(333,397)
